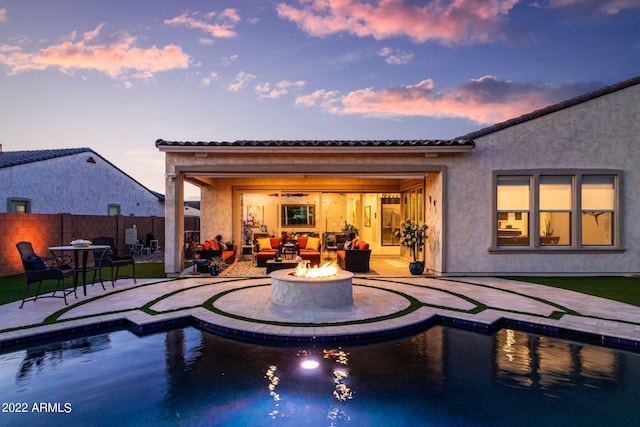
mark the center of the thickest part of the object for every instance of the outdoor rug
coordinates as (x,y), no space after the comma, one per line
(244,269)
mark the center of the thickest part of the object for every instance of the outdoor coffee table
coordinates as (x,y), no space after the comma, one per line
(280,265)
(289,250)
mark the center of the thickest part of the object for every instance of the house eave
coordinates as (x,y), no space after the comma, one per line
(426,148)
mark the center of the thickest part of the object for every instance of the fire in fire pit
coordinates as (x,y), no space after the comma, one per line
(304,269)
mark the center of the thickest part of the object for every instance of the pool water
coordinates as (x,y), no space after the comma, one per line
(440,377)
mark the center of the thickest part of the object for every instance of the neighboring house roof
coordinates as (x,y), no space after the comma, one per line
(554,108)
(17,158)
(195,204)
(191,211)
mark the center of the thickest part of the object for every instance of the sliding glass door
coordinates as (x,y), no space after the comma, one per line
(391,219)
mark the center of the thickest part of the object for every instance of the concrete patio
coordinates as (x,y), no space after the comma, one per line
(383,307)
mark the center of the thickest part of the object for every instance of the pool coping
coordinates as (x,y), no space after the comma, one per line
(587,329)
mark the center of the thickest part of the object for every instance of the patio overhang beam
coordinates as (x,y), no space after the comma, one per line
(231,175)
(304,170)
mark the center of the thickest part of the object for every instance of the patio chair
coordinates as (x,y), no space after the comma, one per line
(111,258)
(39,269)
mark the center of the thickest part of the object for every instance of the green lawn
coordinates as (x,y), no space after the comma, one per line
(12,287)
(623,289)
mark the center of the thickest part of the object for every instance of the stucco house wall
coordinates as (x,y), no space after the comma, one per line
(216,201)
(77,181)
(434,220)
(602,133)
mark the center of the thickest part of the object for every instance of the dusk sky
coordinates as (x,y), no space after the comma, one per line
(116,75)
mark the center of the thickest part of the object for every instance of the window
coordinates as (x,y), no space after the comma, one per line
(113,210)
(19,205)
(555,204)
(513,210)
(552,209)
(598,202)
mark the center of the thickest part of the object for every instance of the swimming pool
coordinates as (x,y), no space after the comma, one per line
(443,376)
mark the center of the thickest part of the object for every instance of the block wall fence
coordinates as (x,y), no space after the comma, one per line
(45,230)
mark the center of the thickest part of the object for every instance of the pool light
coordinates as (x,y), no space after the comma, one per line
(309,364)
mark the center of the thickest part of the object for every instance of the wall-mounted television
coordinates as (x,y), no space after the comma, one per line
(299,215)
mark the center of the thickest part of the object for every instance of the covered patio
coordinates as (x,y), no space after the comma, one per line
(369,185)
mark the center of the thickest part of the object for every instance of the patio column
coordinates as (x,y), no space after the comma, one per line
(174,223)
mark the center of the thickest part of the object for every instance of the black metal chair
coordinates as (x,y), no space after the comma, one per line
(111,258)
(38,270)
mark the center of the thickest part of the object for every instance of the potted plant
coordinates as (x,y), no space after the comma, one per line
(247,233)
(216,265)
(413,236)
(350,229)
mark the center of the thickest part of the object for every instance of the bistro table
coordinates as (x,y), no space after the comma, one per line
(77,268)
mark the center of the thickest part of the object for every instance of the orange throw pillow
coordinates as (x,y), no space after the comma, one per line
(275,242)
(302,242)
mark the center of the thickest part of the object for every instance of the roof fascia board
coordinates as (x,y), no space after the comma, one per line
(401,150)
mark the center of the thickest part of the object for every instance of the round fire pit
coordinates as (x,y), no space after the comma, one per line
(325,292)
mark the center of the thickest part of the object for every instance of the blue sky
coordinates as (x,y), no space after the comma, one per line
(116,75)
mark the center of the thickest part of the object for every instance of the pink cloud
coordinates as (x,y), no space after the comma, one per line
(451,22)
(485,100)
(327,100)
(395,57)
(206,81)
(117,56)
(241,80)
(276,90)
(3,15)
(230,14)
(227,20)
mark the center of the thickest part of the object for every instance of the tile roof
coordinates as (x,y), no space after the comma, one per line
(17,158)
(460,142)
(553,108)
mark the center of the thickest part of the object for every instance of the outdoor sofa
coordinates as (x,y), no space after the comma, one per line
(308,248)
(211,249)
(355,256)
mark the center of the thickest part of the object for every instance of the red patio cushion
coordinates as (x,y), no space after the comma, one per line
(275,242)
(302,242)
